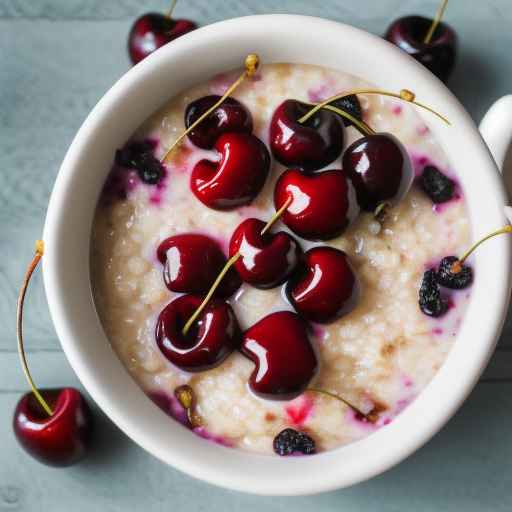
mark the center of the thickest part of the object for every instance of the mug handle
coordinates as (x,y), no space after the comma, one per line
(496,129)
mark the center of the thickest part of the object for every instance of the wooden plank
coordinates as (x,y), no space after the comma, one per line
(195,9)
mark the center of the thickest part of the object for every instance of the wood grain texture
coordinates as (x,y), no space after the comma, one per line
(57,59)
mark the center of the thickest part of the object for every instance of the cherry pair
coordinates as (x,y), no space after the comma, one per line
(244,161)
(307,139)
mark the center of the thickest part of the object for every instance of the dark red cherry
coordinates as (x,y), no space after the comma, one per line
(61,439)
(379,168)
(230,116)
(438,55)
(308,146)
(153,30)
(325,287)
(237,178)
(281,350)
(266,260)
(323,205)
(192,262)
(208,342)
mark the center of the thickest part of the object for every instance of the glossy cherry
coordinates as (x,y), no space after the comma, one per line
(323,205)
(438,55)
(266,260)
(230,116)
(61,439)
(285,360)
(325,287)
(153,30)
(237,178)
(208,342)
(379,168)
(308,146)
(192,262)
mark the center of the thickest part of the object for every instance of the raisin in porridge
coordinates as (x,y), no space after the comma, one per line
(378,354)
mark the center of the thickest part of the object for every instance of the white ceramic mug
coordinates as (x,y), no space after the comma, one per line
(188,61)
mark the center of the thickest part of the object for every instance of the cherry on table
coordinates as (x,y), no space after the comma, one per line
(192,262)
(209,341)
(61,439)
(380,169)
(438,55)
(325,287)
(285,361)
(152,31)
(266,260)
(309,146)
(237,178)
(323,204)
(230,116)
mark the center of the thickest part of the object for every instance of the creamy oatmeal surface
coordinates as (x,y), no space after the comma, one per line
(382,354)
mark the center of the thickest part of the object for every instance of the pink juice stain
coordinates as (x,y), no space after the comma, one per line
(170,405)
(205,434)
(318,332)
(157,191)
(422,130)
(299,411)
(320,93)
(358,420)
(397,110)
(406,381)
(220,83)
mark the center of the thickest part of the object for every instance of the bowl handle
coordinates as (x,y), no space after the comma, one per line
(496,129)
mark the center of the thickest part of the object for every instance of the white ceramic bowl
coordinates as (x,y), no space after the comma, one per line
(188,61)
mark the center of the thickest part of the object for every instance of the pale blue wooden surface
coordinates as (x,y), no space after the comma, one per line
(57,57)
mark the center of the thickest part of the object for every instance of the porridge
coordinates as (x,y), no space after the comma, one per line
(377,350)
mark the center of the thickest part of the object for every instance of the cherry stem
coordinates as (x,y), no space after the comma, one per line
(210,293)
(171,9)
(504,230)
(363,127)
(39,250)
(277,215)
(380,211)
(370,417)
(404,95)
(252,62)
(227,266)
(435,22)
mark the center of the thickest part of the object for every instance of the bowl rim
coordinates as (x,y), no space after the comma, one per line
(115,117)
